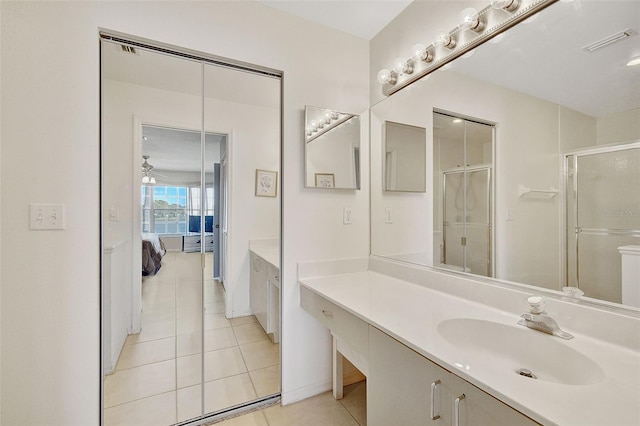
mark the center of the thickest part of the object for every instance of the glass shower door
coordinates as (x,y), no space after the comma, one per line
(603,213)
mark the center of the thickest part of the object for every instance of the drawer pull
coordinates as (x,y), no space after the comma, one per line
(456,410)
(434,416)
(327,314)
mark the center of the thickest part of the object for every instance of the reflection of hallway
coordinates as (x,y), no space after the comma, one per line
(156,379)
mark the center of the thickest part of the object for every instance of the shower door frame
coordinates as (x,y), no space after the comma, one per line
(464,170)
(564,236)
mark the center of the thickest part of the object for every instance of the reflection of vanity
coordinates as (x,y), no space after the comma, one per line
(264,286)
(394,320)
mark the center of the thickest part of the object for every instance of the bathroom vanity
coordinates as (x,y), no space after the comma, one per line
(264,285)
(441,357)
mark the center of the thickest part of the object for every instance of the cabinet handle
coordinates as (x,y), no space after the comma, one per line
(434,416)
(456,410)
(327,314)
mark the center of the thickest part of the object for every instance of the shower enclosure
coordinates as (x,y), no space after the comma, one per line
(602,214)
(463,196)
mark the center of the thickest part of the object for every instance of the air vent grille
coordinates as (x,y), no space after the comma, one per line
(129,49)
(610,40)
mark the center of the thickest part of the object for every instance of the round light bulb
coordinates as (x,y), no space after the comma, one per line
(314,125)
(418,50)
(508,5)
(152,180)
(386,77)
(327,117)
(403,66)
(444,39)
(469,20)
(145,179)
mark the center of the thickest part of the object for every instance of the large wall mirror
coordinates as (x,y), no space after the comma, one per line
(558,195)
(332,149)
(182,139)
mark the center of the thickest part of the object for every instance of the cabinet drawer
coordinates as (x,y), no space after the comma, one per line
(343,324)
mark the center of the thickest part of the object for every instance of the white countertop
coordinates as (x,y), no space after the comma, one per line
(268,250)
(410,313)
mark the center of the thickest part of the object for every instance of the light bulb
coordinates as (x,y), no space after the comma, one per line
(327,117)
(387,77)
(309,130)
(420,52)
(508,5)
(403,66)
(469,20)
(152,180)
(444,39)
(417,50)
(314,125)
(145,179)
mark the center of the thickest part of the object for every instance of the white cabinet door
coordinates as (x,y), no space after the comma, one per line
(399,385)
(478,408)
(405,388)
(258,289)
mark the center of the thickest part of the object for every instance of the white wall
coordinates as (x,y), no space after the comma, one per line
(50,153)
(621,127)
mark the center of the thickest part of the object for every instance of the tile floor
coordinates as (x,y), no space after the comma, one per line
(157,378)
(321,410)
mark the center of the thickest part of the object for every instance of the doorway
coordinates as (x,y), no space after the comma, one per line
(182,136)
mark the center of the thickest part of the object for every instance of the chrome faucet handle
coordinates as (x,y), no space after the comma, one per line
(536,304)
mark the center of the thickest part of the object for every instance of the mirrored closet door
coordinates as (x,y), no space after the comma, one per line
(182,141)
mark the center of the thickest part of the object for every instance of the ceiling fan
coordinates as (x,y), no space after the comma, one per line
(147,176)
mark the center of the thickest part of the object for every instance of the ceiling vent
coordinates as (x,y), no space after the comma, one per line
(610,40)
(129,49)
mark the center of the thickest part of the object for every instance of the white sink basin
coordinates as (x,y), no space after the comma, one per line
(515,347)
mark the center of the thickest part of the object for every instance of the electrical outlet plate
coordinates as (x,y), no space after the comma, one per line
(46,216)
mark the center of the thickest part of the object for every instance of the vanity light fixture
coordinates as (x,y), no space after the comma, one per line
(475,28)
(508,5)
(470,20)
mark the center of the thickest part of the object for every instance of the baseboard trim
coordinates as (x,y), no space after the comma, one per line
(306,392)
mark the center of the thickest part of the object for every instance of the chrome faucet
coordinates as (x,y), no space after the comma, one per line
(538,319)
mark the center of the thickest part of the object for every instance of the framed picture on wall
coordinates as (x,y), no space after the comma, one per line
(325,180)
(266,183)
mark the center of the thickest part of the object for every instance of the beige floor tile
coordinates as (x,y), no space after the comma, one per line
(151,411)
(139,382)
(149,352)
(255,418)
(214,321)
(249,333)
(355,401)
(189,403)
(214,308)
(219,338)
(189,344)
(190,324)
(223,363)
(160,315)
(266,381)
(320,410)
(227,392)
(243,320)
(260,354)
(189,370)
(153,331)
(158,297)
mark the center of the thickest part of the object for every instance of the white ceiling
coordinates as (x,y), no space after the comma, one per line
(362,18)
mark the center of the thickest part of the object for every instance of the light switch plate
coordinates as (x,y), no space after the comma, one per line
(347,216)
(388,215)
(46,216)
